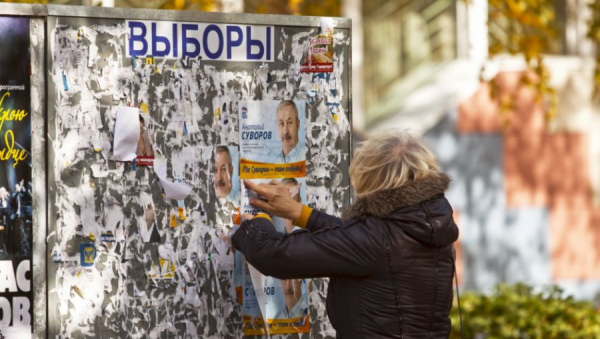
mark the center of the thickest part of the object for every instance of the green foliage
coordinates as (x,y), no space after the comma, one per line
(517,311)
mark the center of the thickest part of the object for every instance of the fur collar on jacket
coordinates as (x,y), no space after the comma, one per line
(383,203)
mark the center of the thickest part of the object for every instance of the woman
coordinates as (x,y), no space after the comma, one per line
(390,259)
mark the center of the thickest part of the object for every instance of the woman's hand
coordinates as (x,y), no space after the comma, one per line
(277,200)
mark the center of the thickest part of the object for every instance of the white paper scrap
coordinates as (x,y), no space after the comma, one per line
(258,280)
(173,190)
(127,134)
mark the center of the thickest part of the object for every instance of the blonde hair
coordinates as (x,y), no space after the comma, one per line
(390,160)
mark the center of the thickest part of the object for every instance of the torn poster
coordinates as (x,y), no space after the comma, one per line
(318,58)
(226,187)
(286,303)
(145,149)
(173,190)
(254,322)
(127,134)
(273,148)
(226,184)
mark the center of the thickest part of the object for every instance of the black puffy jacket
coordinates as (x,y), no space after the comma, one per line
(390,260)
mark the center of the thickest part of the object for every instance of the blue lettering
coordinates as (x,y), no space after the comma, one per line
(257,135)
(212,28)
(141,38)
(159,39)
(185,41)
(175,40)
(250,43)
(233,43)
(268,48)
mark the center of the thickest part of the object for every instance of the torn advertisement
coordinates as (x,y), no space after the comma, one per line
(173,190)
(226,187)
(145,146)
(286,301)
(226,184)
(319,56)
(127,134)
(147,224)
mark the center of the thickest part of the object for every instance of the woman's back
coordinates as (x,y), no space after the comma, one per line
(412,241)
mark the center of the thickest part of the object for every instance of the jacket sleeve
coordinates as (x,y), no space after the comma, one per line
(319,221)
(333,251)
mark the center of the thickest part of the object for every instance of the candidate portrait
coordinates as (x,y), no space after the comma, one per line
(288,126)
(223,172)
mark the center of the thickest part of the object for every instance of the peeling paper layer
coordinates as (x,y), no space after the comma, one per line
(173,190)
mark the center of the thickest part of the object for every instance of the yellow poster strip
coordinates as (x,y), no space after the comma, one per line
(253,326)
(256,326)
(292,325)
(258,170)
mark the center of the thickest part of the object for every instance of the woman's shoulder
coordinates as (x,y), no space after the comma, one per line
(385,202)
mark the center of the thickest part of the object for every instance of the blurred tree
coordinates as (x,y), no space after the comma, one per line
(594,34)
(198,5)
(527,28)
(295,7)
(28,1)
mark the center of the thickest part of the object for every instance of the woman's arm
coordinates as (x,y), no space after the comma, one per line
(277,201)
(314,220)
(337,250)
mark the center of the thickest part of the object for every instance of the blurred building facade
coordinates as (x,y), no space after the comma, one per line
(526,194)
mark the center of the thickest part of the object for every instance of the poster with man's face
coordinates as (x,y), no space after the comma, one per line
(226,188)
(272,132)
(226,181)
(273,147)
(286,309)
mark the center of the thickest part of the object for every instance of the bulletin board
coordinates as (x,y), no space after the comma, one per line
(137,235)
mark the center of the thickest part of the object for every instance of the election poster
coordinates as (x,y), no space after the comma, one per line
(273,147)
(16,294)
(226,186)
(272,139)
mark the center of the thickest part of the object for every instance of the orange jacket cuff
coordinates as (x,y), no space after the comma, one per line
(263,215)
(304,215)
